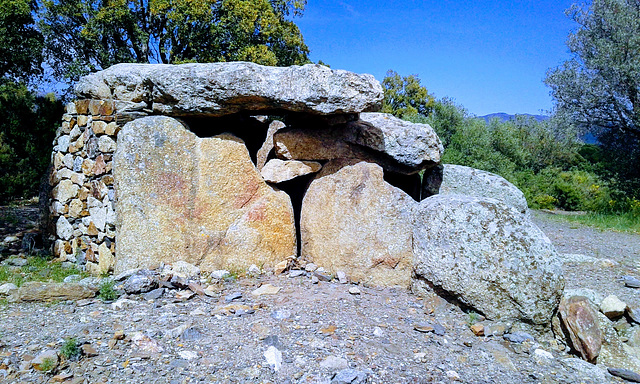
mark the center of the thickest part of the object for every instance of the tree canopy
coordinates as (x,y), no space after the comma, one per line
(88,35)
(20,42)
(600,86)
(404,96)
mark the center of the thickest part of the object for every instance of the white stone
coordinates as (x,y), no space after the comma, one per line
(6,288)
(273,357)
(64,230)
(612,307)
(63,144)
(99,217)
(219,274)
(188,355)
(106,144)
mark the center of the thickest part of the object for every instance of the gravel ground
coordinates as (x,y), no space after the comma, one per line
(322,331)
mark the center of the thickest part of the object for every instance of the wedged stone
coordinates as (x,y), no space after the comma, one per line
(461,180)
(580,321)
(397,145)
(488,256)
(106,260)
(411,145)
(353,221)
(198,200)
(217,89)
(277,171)
(267,146)
(37,291)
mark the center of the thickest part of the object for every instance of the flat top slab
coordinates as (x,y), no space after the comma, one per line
(216,89)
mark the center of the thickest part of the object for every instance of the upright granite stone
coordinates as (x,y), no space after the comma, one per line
(218,89)
(461,180)
(580,322)
(353,221)
(203,201)
(487,255)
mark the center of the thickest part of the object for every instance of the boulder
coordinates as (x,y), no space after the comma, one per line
(217,89)
(410,145)
(37,291)
(277,171)
(461,180)
(580,323)
(397,145)
(203,201)
(488,256)
(353,221)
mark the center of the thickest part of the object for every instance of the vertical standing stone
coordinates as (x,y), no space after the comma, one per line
(198,200)
(353,221)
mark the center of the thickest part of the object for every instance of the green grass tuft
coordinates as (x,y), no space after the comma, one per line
(37,269)
(70,349)
(623,222)
(106,291)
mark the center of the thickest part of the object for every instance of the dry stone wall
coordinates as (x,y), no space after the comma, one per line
(83,193)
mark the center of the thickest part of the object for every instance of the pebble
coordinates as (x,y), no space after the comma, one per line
(219,274)
(477,329)
(297,273)
(349,376)
(612,307)
(233,296)
(518,337)
(453,375)
(310,267)
(354,291)
(314,279)
(342,277)
(377,332)
(334,363)
(630,281)
(280,314)
(139,284)
(72,279)
(154,294)
(254,270)
(625,374)
(266,289)
(188,355)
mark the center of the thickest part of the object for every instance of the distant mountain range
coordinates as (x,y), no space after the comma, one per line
(507,117)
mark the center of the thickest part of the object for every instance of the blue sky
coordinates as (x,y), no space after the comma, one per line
(489,56)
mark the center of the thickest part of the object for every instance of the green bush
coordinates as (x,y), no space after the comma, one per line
(70,349)
(106,291)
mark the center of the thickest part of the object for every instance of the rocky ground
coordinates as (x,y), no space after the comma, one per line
(307,331)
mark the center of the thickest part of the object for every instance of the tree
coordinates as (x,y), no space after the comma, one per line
(89,35)
(599,88)
(404,96)
(20,42)
(27,128)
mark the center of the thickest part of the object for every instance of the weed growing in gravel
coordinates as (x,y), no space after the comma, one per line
(47,365)
(473,318)
(70,349)
(106,291)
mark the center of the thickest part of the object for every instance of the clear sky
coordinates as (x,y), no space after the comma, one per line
(489,56)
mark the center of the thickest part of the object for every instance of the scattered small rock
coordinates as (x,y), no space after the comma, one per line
(630,281)
(188,355)
(349,376)
(518,337)
(266,289)
(297,273)
(7,288)
(139,284)
(342,277)
(354,291)
(273,357)
(154,294)
(88,350)
(477,329)
(219,274)
(334,363)
(612,307)
(233,296)
(625,374)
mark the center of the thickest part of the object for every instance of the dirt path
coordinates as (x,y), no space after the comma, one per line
(322,331)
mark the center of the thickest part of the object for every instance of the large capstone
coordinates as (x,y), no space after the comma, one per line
(201,200)
(353,221)
(461,180)
(217,89)
(487,256)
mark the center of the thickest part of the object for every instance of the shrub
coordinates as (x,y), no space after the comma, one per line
(70,349)
(106,291)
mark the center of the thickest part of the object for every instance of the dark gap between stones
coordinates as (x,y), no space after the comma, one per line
(408,183)
(296,189)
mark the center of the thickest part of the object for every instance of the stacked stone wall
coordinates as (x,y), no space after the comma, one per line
(82,204)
